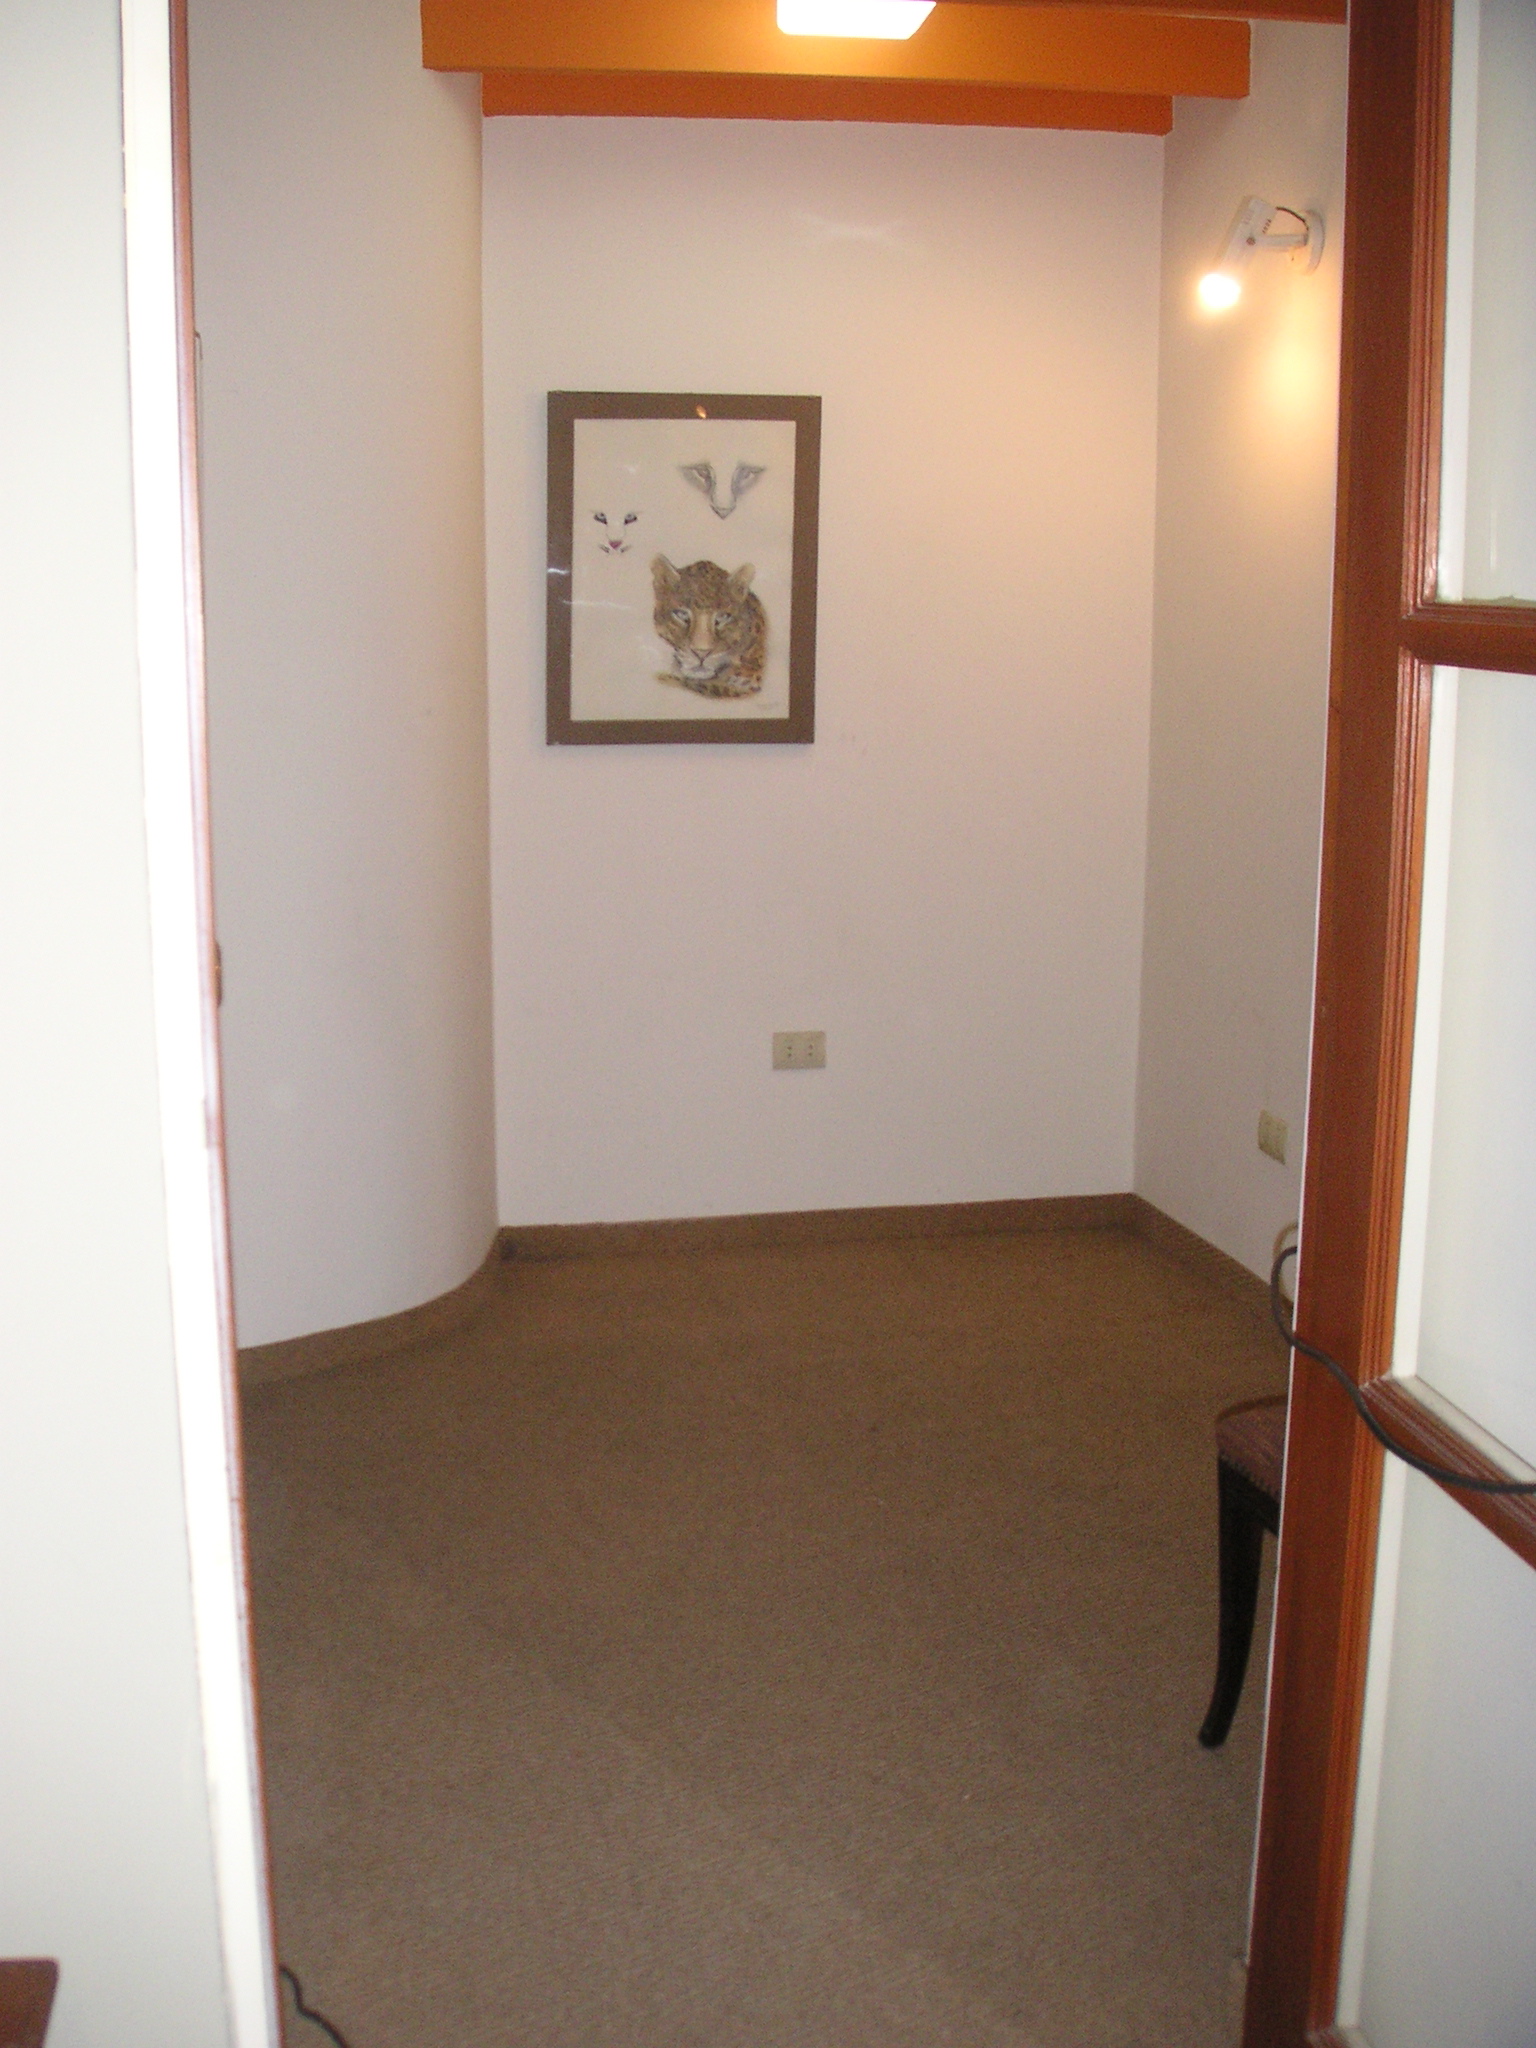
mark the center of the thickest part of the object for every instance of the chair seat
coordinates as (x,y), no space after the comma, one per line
(1252,1437)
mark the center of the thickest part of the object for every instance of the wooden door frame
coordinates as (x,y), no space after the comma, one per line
(1388,632)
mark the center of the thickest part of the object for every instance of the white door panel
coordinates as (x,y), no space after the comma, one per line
(1449,1955)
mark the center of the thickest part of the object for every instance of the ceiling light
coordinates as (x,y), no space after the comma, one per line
(891,21)
(1254,228)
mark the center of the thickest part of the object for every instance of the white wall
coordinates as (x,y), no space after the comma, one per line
(337,250)
(949,882)
(1247,435)
(105,1853)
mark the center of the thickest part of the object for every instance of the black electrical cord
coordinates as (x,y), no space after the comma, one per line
(1443,1473)
(308,2011)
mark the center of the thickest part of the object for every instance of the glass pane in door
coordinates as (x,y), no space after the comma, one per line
(1467,1308)
(1488,468)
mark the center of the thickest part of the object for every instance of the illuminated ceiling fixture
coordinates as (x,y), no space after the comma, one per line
(1254,228)
(892,21)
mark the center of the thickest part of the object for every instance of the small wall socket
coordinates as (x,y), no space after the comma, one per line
(1272,1135)
(799,1048)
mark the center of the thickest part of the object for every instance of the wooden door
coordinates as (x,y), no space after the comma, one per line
(1397,620)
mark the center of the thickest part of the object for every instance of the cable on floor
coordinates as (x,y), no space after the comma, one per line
(308,2012)
(1446,1475)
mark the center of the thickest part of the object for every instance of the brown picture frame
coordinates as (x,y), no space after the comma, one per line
(722,718)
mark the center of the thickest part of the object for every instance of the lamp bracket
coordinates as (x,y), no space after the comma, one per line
(1254,228)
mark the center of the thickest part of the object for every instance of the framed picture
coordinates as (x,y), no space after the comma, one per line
(682,568)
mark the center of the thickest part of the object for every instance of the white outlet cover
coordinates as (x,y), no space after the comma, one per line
(799,1049)
(1273,1135)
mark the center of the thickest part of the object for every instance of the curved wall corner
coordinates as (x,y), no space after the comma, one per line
(337,254)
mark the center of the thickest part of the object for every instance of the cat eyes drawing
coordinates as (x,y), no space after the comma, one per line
(681,568)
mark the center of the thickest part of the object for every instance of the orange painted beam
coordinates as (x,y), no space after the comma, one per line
(1325,12)
(721,96)
(1053,48)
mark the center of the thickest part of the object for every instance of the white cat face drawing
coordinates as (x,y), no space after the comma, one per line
(614,531)
(723,498)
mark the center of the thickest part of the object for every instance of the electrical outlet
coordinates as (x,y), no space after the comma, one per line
(1272,1135)
(799,1048)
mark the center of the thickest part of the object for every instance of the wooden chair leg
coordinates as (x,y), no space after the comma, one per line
(1242,1520)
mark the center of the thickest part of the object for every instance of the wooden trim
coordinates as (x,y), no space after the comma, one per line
(27,1988)
(363,1343)
(1399,988)
(1176,1241)
(1395,990)
(539,1243)
(1333,1468)
(1450,634)
(720,96)
(1510,1517)
(1064,48)
(682,1235)
(1491,636)
(1336,1808)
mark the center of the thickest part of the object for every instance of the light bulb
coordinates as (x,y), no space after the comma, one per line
(1219,291)
(890,21)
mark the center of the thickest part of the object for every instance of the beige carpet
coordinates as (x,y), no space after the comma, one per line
(768,1649)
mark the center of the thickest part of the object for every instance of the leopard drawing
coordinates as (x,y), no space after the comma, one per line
(715,625)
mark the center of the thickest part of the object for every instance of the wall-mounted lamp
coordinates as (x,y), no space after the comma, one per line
(1254,228)
(890,21)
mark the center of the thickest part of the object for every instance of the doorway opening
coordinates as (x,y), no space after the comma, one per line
(1014,869)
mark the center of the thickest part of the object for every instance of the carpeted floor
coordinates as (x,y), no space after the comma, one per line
(765,1649)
